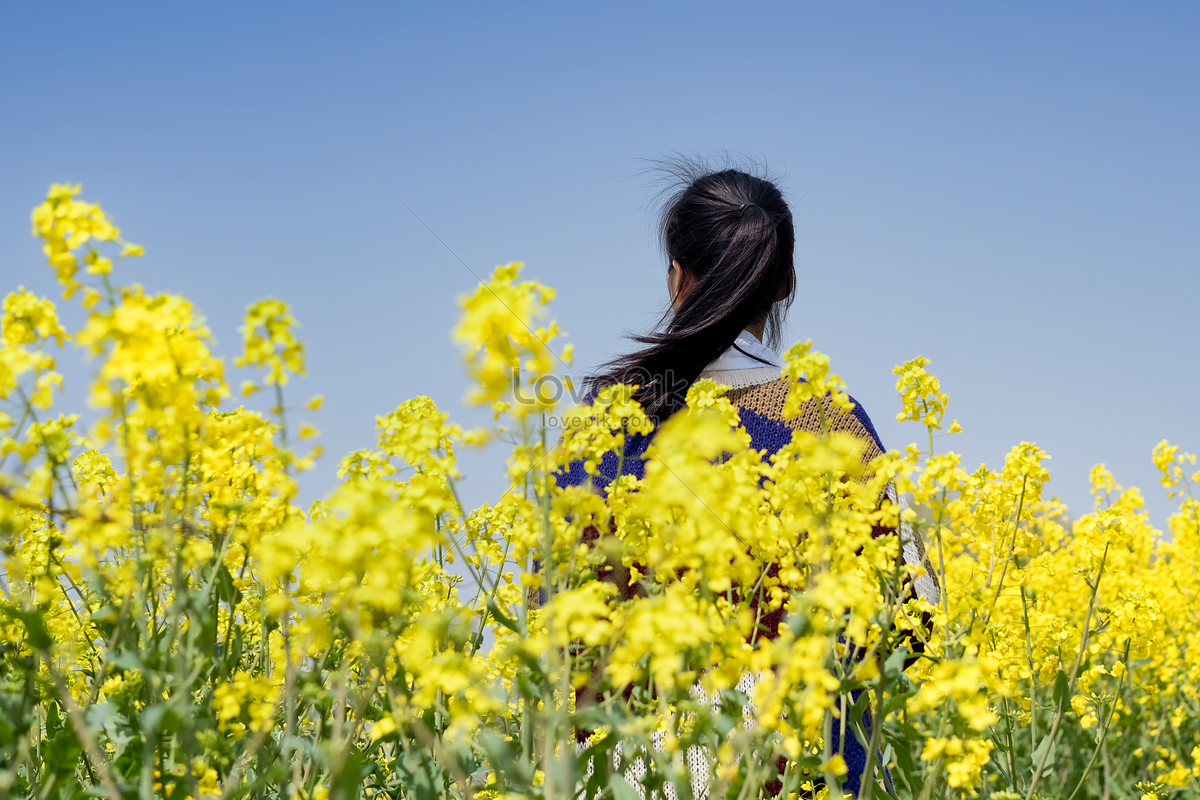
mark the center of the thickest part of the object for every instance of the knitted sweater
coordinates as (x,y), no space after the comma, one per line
(759,393)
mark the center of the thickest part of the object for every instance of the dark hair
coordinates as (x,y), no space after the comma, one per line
(733,237)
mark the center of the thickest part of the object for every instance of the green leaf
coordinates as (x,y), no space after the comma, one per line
(419,775)
(126,660)
(905,763)
(63,749)
(226,590)
(106,718)
(893,704)
(1049,743)
(151,717)
(35,626)
(561,770)
(505,757)
(893,667)
(501,617)
(1061,698)
(622,790)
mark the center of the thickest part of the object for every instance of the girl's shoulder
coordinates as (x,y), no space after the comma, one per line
(761,410)
(612,464)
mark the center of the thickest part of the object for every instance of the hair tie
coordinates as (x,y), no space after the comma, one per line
(744,206)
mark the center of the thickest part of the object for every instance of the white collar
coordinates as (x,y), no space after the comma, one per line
(746,363)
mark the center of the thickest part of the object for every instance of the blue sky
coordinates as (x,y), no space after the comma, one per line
(1007,189)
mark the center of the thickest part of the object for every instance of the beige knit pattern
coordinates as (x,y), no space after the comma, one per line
(767,399)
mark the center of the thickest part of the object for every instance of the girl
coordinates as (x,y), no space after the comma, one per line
(728,239)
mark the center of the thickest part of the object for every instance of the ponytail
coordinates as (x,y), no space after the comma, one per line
(733,237)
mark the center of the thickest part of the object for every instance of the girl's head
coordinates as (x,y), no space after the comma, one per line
(728,240)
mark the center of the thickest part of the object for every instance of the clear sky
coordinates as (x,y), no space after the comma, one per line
(1009,189)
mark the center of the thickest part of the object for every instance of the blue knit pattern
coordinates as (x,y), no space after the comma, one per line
(767,433)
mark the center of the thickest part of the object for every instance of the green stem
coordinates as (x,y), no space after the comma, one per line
(1060,710)
(1029,655)
(1103,731)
